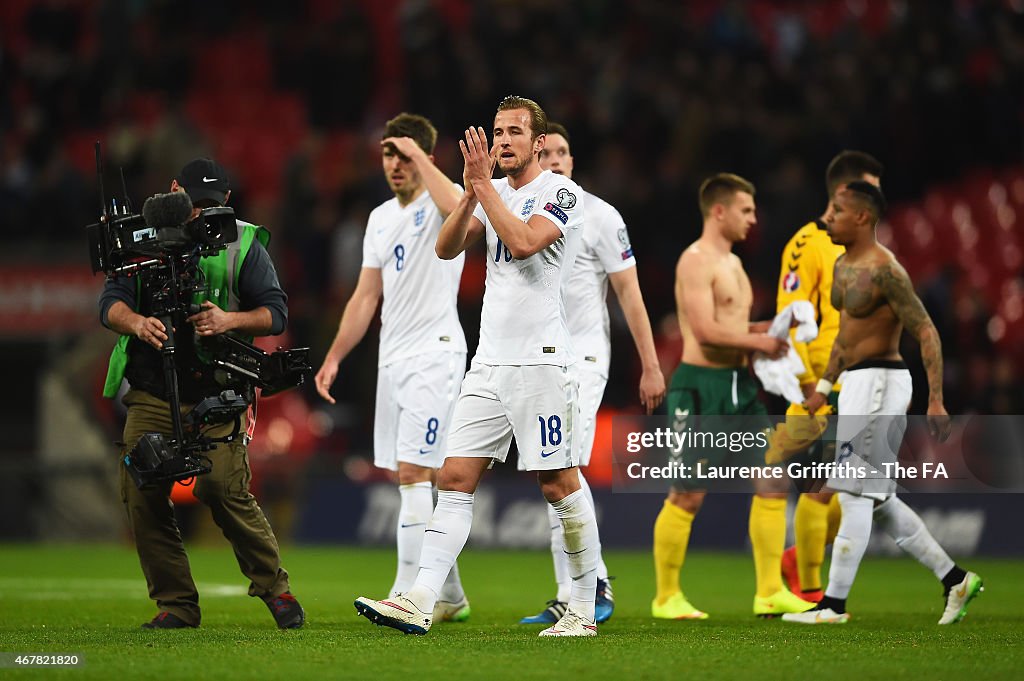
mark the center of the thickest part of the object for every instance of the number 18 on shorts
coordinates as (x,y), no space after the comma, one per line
(538,404)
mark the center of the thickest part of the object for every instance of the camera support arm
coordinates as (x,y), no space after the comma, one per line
(167,358)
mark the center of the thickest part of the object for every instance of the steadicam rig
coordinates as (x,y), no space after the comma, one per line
(163,248)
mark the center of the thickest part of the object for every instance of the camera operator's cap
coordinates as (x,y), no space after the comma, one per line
(204,179)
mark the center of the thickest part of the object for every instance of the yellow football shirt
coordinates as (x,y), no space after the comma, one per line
(807,265)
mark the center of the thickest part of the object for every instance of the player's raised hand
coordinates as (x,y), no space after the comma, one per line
(325,379)
(652,388)
(477,155)
(467,184)
(405,146)
(939,422)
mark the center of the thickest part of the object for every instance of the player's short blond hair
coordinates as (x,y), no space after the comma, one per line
(721,188)
(538,119)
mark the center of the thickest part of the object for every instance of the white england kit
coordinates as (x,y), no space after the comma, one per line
(520,382)
(605,250)
(422,347)
(872,420)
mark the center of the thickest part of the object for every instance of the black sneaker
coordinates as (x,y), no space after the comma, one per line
(286,611)
(166,620)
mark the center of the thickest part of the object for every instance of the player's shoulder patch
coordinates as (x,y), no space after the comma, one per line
(627,248)
(566,198)
(559,214)
(562,195)
(791,282)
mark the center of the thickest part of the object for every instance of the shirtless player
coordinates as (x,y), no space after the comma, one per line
(714,297)
(876,301)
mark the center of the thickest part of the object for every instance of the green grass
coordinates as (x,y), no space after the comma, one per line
(90,600)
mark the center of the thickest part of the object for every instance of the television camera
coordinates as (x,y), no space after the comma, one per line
(163,247)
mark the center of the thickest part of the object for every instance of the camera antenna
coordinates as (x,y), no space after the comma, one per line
(124,189)
(99,177)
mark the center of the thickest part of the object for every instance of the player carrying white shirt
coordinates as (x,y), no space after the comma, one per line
(422,357)
(520,381)
(876,301)
(605,254)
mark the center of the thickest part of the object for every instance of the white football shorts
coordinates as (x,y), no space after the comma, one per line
(591,389)
(415,399)
(537,403)
(872,420)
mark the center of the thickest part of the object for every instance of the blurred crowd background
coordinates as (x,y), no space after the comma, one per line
(657,94)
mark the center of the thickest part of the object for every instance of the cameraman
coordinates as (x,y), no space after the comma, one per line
(242,296)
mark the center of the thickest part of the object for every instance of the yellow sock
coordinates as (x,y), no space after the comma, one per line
(671,537)
(810,525)
(835,514)
(768,537)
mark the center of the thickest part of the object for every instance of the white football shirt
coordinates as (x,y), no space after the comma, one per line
(418,314)
(523,321)
(605,250)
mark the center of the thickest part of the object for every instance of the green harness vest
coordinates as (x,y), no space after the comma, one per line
(221,272)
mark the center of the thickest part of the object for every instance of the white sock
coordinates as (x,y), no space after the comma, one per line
(582,546)
(602,569)
(849,545)
(901,523)
(443,541)
(452,590)
(558,557)
(417,504)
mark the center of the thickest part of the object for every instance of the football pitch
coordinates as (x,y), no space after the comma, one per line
(89,600)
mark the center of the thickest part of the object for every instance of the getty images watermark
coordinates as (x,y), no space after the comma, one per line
(729,443)
(864,454)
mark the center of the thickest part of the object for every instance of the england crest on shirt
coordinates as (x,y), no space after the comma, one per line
(527,207)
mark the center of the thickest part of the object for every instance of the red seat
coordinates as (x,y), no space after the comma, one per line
(333,166)
(1014,180)
(233,62)
(146,107)
(79,147)
(12,24)
(910,236)
(217,112)
(256,156)
(1007,325)
(985,202)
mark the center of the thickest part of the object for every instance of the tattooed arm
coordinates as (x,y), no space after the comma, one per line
(837,361)
(895,283)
